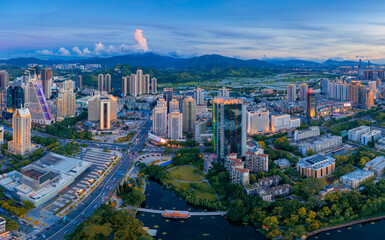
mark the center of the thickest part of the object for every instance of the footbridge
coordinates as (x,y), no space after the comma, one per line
(163,212)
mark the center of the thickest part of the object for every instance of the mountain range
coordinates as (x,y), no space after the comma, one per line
(204,62)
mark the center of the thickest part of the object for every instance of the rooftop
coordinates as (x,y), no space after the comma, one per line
(356,175)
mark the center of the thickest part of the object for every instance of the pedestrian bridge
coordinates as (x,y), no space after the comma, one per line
(166,211)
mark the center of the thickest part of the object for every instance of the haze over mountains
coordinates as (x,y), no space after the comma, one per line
(193,63)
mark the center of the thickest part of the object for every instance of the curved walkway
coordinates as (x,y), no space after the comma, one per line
(163,211)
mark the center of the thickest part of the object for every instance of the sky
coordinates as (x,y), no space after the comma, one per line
(248,29)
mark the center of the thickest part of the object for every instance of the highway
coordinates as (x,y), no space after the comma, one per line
(99,195)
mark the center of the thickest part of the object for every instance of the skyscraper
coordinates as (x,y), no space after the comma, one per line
(134,89)
(291,93)
(199,96)
(125,86)
(100,82)
(139,76)
(311,104)
(21,125)
(159,118)
(229,132)
(373,86)
(16,96)
(66,101)
(79,81)
(324,85)
(4,80)
(102,108)
(189,115)
(368,98)
(46,80)
(107,79)
(175,125)
(154,85)
(167,96)
(38,105)
(146,84)
(356,92)
(303,91)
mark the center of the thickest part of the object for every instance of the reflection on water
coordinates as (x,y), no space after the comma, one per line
(197,227)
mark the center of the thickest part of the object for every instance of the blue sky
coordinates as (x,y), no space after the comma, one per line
(246,29)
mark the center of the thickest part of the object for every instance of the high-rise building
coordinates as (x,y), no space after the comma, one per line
(174,105)
(189,115)
(224,92)
(356,92)
(303,91)
(46,79)
(291,93)
(373,86)
(168,93)
(16,96)
(199,96)
(324,85)
(257,122)
(154,85)
(146,84)
(107,79)
(38,105)
(79,80)
(159,118)
(4,80)
(368,98)
(229,122)
(100,82)
(21,125)
(139,76)
(66,101)
(103,108)
(134,89)
(311,104)
(175,125)
(125,86)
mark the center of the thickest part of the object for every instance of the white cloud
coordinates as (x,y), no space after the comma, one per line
(64,52)
(140,44)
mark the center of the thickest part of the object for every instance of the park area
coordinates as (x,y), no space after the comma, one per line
(184,179)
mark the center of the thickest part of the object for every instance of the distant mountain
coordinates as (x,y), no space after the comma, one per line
(294,63)
(153,60)
(218,61)
(331,62)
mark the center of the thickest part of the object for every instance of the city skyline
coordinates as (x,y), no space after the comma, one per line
(247,29)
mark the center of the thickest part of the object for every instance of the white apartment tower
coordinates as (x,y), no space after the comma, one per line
(199,96)
(303,91)
(189,115)
(100,82)
(154,85)
(175,125)
(66,101)
(159,118)
(108,83)
(257,122)
(291,93)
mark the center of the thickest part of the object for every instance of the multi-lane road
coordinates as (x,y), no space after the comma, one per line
(100,193)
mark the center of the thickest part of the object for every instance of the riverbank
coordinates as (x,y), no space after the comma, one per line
(366,220)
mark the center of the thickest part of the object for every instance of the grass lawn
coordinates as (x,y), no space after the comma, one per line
(184,173)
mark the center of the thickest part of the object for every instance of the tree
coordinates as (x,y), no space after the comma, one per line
(252,178)
(310,152)
(274,233)
(271,222)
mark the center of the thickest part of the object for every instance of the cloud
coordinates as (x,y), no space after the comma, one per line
(64,52)
(141,42)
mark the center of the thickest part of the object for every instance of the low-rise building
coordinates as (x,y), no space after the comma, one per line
(2,225)
(317,166)
(371,136)
(238,172)
(281,190)
(284,122)
(377,165)
(282,163)
(256,189)
(321,144)
(307,133)
(269,181)
(354,179)
(356,133)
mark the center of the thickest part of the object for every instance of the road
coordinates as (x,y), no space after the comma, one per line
(99,195)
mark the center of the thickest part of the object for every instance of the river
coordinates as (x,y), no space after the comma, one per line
(210,227)
(196,227)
